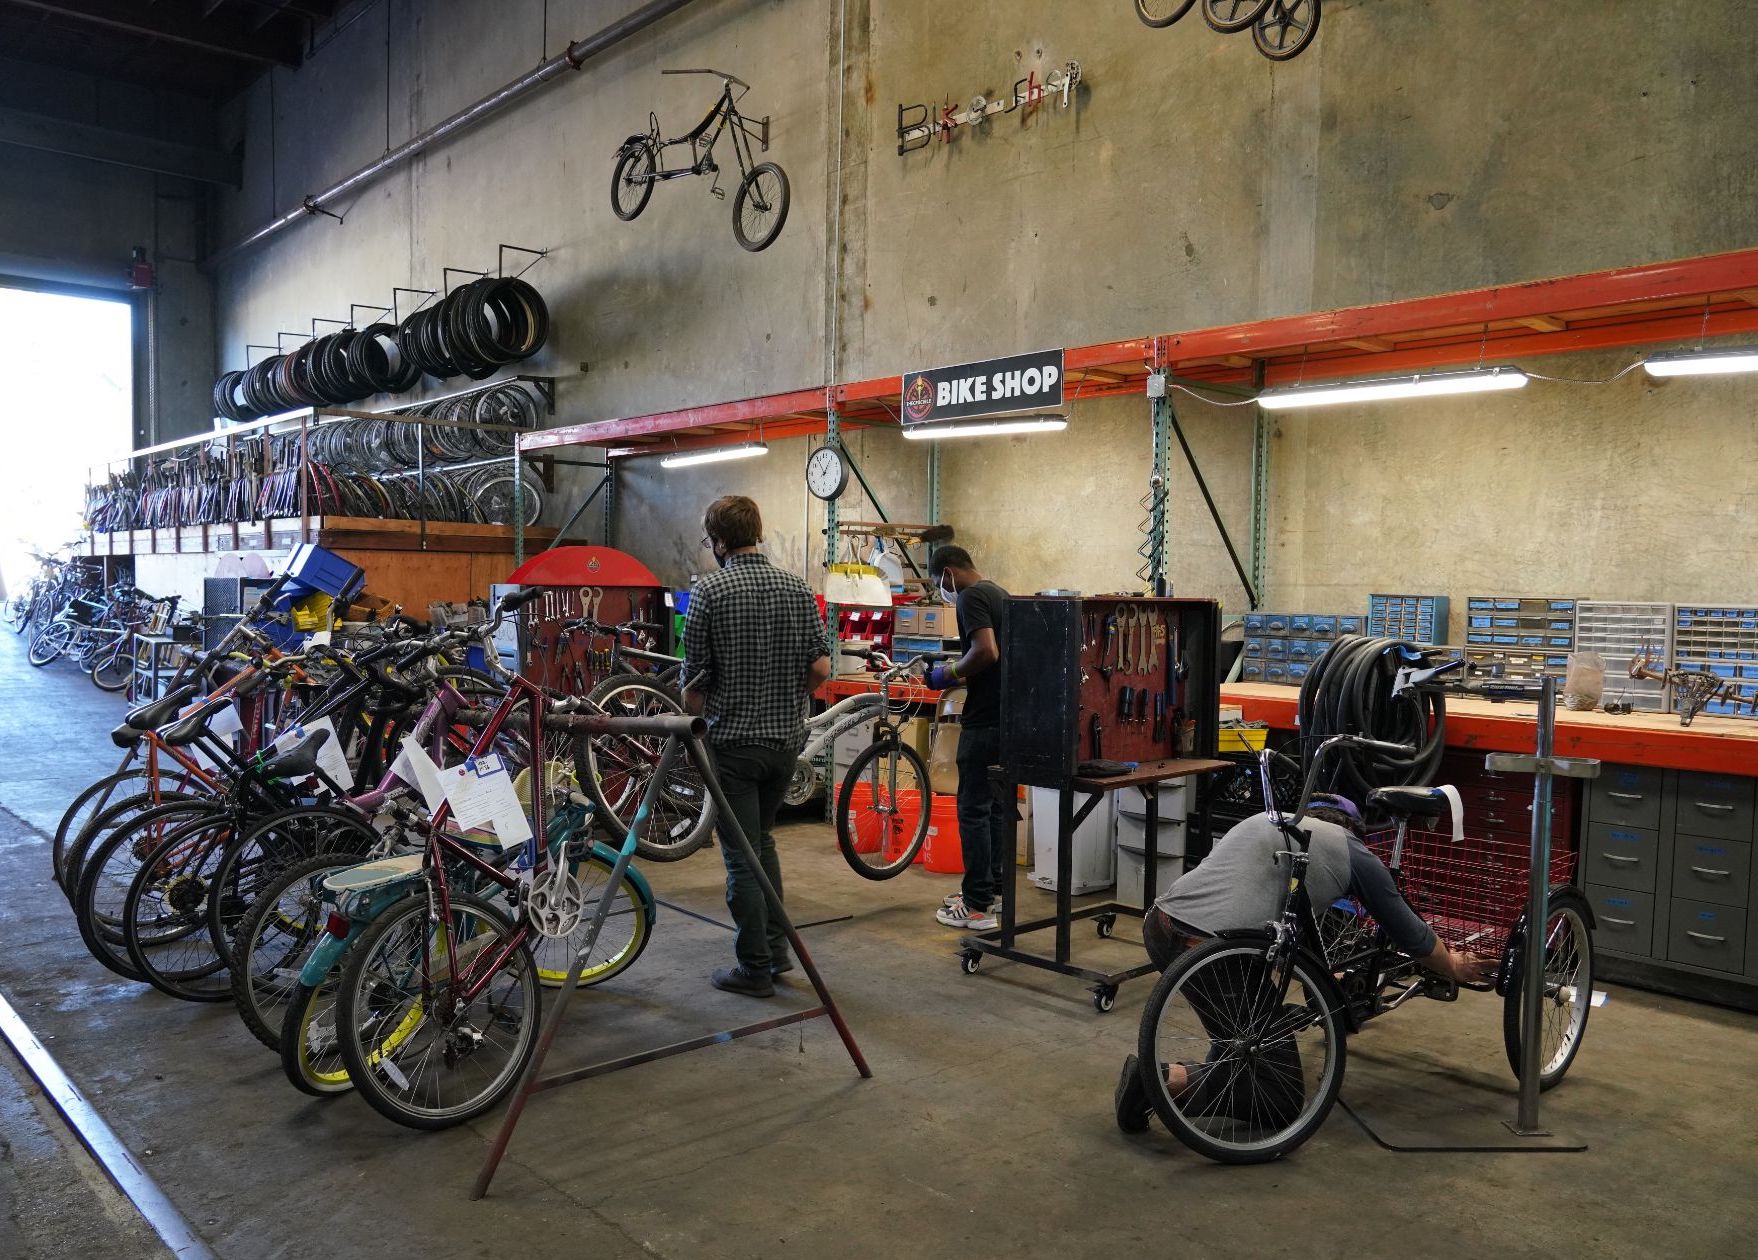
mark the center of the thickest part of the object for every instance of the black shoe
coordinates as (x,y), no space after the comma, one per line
(786,964)
(1131,1100)
(742,979)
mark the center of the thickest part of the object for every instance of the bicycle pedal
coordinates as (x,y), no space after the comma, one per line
(719,194)
(1440,989)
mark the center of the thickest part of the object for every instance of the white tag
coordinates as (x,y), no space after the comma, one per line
(416,768)
(319,638)
(1453,802)
(481,795)
(1600,997)
(331,760)
(226,722)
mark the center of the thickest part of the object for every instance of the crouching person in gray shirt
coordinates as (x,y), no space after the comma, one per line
(1241,885)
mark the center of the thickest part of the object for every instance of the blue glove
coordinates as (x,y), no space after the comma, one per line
(940,677)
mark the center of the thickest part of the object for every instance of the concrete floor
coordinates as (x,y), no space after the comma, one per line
(986,1129)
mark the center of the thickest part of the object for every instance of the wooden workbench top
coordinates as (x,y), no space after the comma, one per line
(1717,744)
(1149,773)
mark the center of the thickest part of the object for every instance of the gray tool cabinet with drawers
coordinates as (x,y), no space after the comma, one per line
(1667,865)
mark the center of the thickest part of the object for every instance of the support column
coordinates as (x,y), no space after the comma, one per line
(1153,572)
(1260,496)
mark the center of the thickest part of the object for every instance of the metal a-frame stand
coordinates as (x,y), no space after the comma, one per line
(681,734)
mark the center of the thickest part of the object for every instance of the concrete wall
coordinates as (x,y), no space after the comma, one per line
(72,221)
(1418,147)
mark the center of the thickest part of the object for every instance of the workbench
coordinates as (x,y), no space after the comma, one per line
(1714,744)
(1001,941)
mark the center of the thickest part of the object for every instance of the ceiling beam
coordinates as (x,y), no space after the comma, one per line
(121,15)
(119,148)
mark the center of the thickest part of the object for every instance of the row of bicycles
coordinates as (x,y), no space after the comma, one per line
(283,833)
(70,615)
(375,467)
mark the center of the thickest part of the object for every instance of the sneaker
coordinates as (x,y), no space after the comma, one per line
(956,914)
(741,979)
(1131,1100)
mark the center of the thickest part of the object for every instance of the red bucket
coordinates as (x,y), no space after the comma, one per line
(878,828)
(942,852)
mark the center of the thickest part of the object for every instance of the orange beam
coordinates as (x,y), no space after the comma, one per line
(1440,331)
(749,433)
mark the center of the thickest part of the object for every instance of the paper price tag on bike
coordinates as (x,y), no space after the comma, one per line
(482,796)
(331,760)
(226,722)
(416,768)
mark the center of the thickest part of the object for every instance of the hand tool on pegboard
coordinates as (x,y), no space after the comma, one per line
(1097,728)
(1105,666)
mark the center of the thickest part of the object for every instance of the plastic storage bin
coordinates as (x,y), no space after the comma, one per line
(319,569)
(1094,856)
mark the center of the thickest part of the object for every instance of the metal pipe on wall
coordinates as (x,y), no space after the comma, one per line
(570,58)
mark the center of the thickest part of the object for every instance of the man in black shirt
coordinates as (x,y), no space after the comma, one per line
(985,814)
(755,648)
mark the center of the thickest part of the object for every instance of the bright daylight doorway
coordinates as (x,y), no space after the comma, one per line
(69,404)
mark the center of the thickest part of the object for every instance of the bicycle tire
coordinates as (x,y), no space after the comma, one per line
(781,195)
(91,802)
(1572,908)
(1162,14)
(611,958)
(50,641)
(257,966)
(261,851)
(166,915)
(1231,16)
(1270,33)
(108,873)
(1210,970)
(311,1057)
(852,838)
(18,612)
(115,815)
(105,674)
(629,159)
(610,768)
(358,1023)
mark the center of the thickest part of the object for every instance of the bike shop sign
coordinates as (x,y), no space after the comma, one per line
(1022,382)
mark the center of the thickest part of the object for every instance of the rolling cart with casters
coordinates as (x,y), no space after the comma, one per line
(1001,942)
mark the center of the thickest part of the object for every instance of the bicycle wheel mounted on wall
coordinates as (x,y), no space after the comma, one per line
(1284,31)
(1159,13)
(631,183)
(759,209)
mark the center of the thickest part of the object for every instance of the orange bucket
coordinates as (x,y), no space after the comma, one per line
(942,851)
(876,829)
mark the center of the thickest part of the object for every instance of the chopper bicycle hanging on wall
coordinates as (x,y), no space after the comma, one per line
(759,205)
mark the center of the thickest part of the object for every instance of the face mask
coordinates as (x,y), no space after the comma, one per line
(948,593)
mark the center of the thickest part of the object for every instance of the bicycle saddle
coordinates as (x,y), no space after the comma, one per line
(186,730)
(150,717)
(1409,802)
(296,763)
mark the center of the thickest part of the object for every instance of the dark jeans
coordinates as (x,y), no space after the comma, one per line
(985,816)
(754,779)
(1233,1003)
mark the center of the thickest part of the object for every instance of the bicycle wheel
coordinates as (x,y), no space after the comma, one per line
(626,931)
(1568,990)
(88,805)
(615,769)
(1284,31)
(50,641)
(166,913)
(311,1056)
(18,611)
(1228,16)
(759,208)
(1256,1077)
(112,667)
(108,873)
(256,858)
(118,813)
(882,809)
(415,1056)
(631,183)
(273,941)
(1162,12)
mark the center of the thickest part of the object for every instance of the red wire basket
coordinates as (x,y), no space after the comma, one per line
(1470,893)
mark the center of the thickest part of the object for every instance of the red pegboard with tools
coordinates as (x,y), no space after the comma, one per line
(599,584)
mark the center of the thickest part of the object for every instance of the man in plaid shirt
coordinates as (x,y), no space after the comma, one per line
(755,649)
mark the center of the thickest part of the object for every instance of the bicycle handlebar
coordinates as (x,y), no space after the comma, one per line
(1312,772)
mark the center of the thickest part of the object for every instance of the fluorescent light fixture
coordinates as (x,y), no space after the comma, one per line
(1481,381)
(1705,362)
(980,428)
(715,454)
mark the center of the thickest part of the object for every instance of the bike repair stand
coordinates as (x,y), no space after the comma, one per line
(1527,1134)
(678,733)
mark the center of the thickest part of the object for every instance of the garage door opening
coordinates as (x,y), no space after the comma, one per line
(67,385)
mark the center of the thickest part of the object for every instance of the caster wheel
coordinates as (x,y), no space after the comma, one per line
(969,960)
(1106,925)
(1104,1000)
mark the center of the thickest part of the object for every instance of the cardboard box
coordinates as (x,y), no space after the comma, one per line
(937,621)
